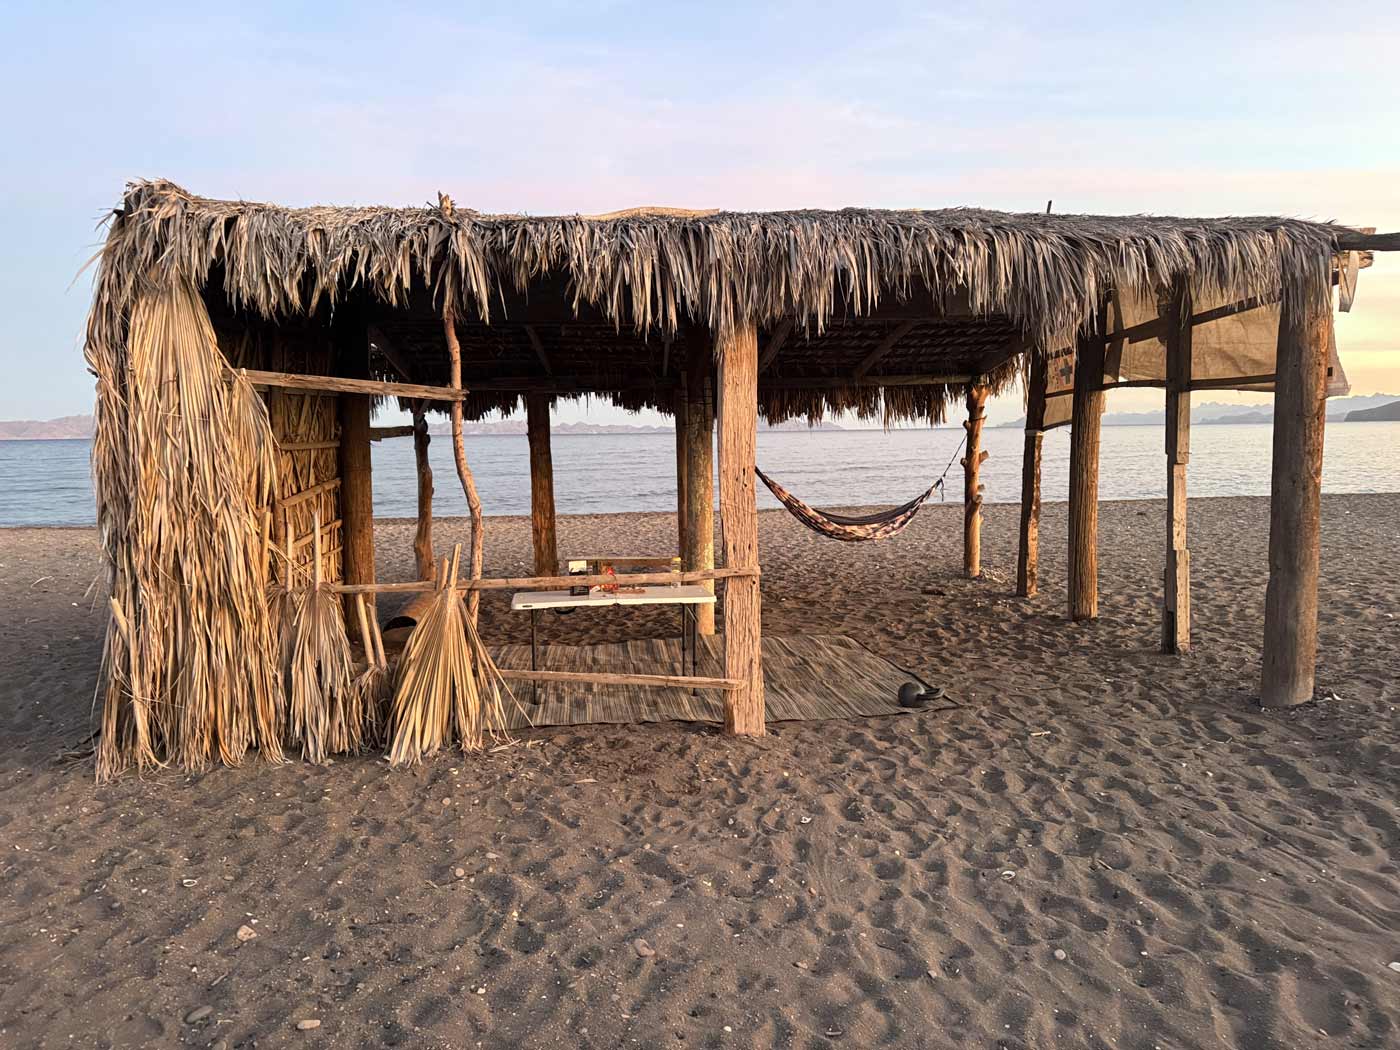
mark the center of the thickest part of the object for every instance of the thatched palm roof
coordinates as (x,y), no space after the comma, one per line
(653,268)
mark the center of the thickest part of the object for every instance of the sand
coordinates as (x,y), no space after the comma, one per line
(1103,847)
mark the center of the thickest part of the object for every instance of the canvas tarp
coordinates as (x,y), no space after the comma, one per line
(1231,352)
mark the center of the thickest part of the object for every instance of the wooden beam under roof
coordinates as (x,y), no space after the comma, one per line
(539,349)
(886,345)
(775,343)
(391,353)
(341,385)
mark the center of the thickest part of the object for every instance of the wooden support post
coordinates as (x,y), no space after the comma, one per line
(699,551)
(423,561)
(737,353)
(1028,556)
(542,525)
(459,456)
(972,490)
(682,412)
(1176,579)
(351,339)
(1084,473)
(1295,505)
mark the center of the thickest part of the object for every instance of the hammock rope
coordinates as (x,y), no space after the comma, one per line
(856,528)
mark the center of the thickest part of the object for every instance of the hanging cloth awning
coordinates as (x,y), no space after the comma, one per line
(849,529)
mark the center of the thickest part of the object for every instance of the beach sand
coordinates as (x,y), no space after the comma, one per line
(1102,847)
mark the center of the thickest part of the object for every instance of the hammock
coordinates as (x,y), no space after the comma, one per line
(877,526)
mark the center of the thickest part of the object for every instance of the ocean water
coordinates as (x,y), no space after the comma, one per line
(48,482)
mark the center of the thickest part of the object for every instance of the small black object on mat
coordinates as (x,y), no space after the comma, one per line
(913,695)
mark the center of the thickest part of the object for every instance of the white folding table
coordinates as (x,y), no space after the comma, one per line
(687,596)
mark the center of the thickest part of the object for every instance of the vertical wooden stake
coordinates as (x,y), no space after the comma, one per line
(699,551)
(972,489)
(542,525)
(1028,556)
(1295,505)
(682,408)
(423,535)
(351,337)
(1176,580)
(464,472)
(738,427)
(1084,473)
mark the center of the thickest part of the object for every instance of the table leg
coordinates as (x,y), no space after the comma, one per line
(534,654)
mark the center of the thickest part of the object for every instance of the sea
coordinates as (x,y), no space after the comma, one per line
(48,482)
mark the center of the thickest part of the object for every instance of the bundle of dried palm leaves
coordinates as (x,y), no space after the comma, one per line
(183,465)
(325,708)
(447,688)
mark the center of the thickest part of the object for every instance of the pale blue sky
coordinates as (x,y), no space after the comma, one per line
(1210,109)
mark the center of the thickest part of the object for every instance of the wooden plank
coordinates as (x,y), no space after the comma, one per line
(543,535)
(1295,507)
(1176,578)
(344,385)
(512,583)
(1028,554)
(972,489)
(737,352)
(382,433)
(677,681)
(886,345)
(1084,473)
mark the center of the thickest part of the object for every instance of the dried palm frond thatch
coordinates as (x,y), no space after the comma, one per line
(447,686)
(183,468)
(325,715)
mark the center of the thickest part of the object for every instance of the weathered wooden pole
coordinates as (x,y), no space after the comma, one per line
(459,456)
(1084,473)
(1295,504)
(682,416)
(542,523)
(1028,557)
(350,335)
(699,551)
(972,489)
(738,439)
(423,562)
(1176,579)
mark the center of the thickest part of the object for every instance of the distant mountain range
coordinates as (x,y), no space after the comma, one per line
(50,429)
(68,427)
(1212,413)
(1380,413)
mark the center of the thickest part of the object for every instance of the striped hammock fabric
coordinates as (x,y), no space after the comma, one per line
(877,526)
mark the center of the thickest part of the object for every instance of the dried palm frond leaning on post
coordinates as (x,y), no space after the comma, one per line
(375,685)
(325,714)
(447,687)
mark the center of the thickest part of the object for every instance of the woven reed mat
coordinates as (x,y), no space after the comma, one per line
(812,676)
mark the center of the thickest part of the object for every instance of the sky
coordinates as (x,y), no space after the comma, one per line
(1190,109)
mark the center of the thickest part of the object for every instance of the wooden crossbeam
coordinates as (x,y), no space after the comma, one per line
(341,385)
(886,345)
(548,583)
(775,344)
(380,433)
(539,349)
(677,681)
(391,353)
